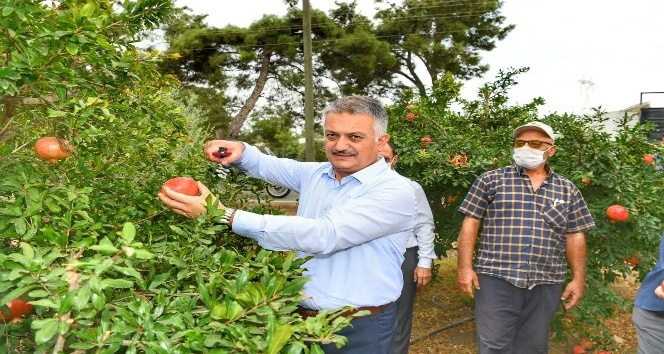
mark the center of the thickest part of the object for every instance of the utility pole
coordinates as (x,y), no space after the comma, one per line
(309,143)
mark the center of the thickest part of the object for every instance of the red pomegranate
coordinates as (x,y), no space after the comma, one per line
(184,185)
(617,213)
(52,149)
(17,309)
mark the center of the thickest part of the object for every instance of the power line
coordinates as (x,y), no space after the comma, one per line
(336,40)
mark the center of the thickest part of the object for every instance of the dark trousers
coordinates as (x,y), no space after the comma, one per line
(368,335)
(514,320)
(405,302)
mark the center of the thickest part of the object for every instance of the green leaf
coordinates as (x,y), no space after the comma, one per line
(281,336)
(16,293)
(143,254)
(61,92)
(45,303)
(52,206)
(101,268)
(9,73)
(116,283)
(105,246)
(241,280)
(88,10)
(294,286)
(158,280)
(28,251)
(72,48)
(82,297)
(6,11)
(11,211)
(104,249)
(229,310)
(47,329)
(90,101)
(128,232)
(128,271)
(32,209)
(20,226)
(104,43)
(53,113)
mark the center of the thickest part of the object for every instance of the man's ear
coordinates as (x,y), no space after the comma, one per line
(552,151)
(393,164)
(383,140)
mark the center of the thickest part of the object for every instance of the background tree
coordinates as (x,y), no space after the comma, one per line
(246,61)
(440,37)
(352,55)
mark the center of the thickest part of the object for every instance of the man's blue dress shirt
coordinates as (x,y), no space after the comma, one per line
(356,230)
(646,298)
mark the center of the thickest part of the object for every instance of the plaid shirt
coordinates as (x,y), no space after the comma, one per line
(524,233)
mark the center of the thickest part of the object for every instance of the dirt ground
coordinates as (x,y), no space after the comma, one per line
(443,319)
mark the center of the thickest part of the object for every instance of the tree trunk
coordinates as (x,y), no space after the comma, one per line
(241,116)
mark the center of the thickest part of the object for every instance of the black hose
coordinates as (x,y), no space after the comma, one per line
(438,330)
(421,338)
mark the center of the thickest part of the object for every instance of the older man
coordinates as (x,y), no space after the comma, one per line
(534,222)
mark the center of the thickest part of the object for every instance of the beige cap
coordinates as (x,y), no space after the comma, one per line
(535,126)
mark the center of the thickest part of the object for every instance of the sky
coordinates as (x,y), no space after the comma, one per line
(582,54)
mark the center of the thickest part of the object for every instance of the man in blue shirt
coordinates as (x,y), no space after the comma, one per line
(533,224)
(648,312)
(354,217)
(418,258)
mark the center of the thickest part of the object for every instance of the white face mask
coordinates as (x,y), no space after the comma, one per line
(528,158)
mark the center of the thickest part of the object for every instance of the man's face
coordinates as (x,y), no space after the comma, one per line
(350,142)
(547,144)
(386,152)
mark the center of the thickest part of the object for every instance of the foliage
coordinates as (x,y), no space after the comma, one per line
(232,68)
(471,137)
(237,65)
(106,265)
(444,37)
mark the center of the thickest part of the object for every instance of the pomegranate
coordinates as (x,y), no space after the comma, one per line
(617,213)
(410,116)
(184,185)
(52,149)
(633,261)
(425,141)
(586,181)
(578,349)
(17,309)
(649,158)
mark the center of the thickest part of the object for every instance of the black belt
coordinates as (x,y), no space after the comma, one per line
(374,310)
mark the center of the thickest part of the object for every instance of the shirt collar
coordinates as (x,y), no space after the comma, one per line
(363,175)
(522,170)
